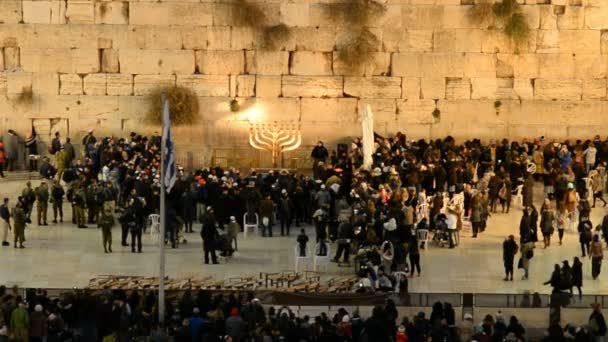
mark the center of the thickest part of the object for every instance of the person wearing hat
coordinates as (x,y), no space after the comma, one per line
(509,250)
(60,162)
(209,235)
(79,204)
(42,200)
(88,141)
(106,222)
(285,211)
(31,143)
(236,327)
(233,231)
(5,215)
(319,154)
(28,198)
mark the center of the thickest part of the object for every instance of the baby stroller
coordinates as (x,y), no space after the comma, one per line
(441,237)
(224,245)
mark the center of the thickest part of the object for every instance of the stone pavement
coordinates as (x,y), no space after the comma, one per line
(63,256)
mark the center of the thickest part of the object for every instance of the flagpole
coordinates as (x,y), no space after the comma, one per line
(161,273)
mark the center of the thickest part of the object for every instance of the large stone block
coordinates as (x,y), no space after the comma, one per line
(548,18)
(245,85)
(495,41)
(379,65)
(523,88)
(195,38)
(432,88)
(16,82)
(119,84)
(458,17)
(268,86)
(590,66)
(457,40)
(267,62)
(220,62)
(552,89)
(297,14)
(309,86)
(206,85)
(70,84)
(309,63)
(11,58)
(10,11)
(313,38)
(81,61)
(241,38)
(115,12)
(374,87)
(594,89)
(1,60)
(479,65)
(80,12)
(410,88)
(395,39)
(144,84)
(109,61)
(572,19)
(596,18)
(95,84)
(457,88)
(329,110)
(218,38)
(385,110)
(422,17)
(156,61)
(416,111)
(170,13)
(423,65)
(42,12)
(579,41)
(547,41)
(483,88)
(556,66)
(155,37)
(532,15)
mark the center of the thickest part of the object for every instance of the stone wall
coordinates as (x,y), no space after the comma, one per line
(90,64)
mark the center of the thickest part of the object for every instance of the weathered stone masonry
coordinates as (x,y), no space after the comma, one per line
(93,62)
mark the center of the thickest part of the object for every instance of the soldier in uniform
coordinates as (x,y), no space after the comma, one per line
(79,202)
(19,220)
(92,203)
(60,160)
(28,197)
(106,222)
(57,194)
(42,200)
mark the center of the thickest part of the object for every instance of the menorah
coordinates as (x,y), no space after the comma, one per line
(276,138)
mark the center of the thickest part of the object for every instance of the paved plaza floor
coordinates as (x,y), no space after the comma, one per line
(62,256)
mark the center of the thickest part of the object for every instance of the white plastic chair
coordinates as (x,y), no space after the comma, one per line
(154,226)
(301,259)
(519,197)
(254,226)
(321,259)
(422,235)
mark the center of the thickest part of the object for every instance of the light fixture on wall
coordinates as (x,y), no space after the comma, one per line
(234,106)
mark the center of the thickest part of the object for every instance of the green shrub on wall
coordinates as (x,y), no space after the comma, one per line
(25,97)
(183,105)
(509,12)
(249,14)
(361,43)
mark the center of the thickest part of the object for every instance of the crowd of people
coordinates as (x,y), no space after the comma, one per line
(116,315)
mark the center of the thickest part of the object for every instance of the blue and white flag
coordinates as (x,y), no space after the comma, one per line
(169,155)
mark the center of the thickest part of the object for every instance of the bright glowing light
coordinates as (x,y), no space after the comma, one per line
(253,112)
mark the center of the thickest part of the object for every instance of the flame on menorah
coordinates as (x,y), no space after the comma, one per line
(276,138)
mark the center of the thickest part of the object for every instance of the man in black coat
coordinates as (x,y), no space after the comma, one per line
(509,250)
(209,235)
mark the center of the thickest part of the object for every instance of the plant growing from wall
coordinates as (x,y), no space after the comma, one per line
(249,14)
(509,12)
(436,114)
(497,105)
(360,44)
(182,101)
(274,36)
(25,97)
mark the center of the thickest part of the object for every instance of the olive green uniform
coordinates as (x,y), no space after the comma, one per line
(79,205)
(19,225)
(60,163)
(106,222)
(42,200)
(29,197)
(57,193)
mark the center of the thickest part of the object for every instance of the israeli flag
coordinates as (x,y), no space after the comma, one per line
(169,155)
